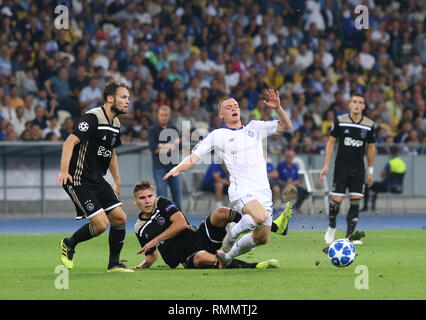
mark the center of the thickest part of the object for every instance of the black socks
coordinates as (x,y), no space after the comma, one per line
(333,212)
(85,233)
(117,233)
(352,217)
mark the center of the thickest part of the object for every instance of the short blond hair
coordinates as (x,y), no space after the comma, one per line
(221,100)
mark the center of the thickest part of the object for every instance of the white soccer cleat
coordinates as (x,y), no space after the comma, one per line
(329,235)
(228,242)
(221,255)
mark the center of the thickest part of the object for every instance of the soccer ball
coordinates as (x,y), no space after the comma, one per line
(341,253)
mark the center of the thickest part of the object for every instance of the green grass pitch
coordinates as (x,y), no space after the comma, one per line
(394,263)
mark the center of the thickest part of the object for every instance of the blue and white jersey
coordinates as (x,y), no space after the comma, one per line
(242,152)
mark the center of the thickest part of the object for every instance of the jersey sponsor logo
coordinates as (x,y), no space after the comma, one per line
(83,126)
(104,152)
(352,142)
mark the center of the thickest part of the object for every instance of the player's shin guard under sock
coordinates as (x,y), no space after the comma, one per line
(352,217)
(245,224)
(245,244)
(333,212)
(85,233)
(117,233)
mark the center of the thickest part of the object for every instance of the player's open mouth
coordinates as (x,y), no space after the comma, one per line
(235,114)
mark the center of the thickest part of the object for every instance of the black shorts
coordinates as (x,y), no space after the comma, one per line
(351,179)
(208,238)
(92,198)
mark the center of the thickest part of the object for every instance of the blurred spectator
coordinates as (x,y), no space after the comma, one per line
(392,179)
(28,83)
(3,129)
(288,173)
(15,100)
(51,128)
(5,62)
(19,121)
(198,113)
(67,128)
(276,143)
(216,180)
(40,118)
(91,96)
(164,153)
(6,111)
(58,87)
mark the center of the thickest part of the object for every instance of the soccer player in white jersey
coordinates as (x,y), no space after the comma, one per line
(241,149)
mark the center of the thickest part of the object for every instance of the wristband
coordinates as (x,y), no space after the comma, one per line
(370,170)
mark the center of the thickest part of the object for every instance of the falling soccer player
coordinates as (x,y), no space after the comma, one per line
(241,149)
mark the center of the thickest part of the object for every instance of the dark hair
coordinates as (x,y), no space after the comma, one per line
(357,94)
(111,89)
(142,185)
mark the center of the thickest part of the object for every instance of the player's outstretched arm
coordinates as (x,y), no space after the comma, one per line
(147,262)
(186,164)
(178,225)
(275,103)
(329,149)
(67,150)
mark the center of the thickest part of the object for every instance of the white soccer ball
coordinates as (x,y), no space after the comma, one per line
(341,253)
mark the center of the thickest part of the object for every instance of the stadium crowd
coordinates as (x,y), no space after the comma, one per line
(187,54)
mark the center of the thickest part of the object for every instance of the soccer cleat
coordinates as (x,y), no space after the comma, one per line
(119,268)
(67,255)
(268,264)
(282,220)
(221,255)
(329,235)
(227,241)
(356,236)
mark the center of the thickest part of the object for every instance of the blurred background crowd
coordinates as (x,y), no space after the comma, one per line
(188,54)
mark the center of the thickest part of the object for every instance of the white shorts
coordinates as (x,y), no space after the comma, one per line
(263,196)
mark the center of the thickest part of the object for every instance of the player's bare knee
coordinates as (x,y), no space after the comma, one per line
(99,226)
(223,213)
(120,220)
(261,239)
(220,216)
(260,217)
(203,259)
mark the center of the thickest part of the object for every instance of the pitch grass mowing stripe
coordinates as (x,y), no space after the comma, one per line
(395,261)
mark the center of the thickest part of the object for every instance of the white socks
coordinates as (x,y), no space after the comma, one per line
(245,224)
(245,244)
